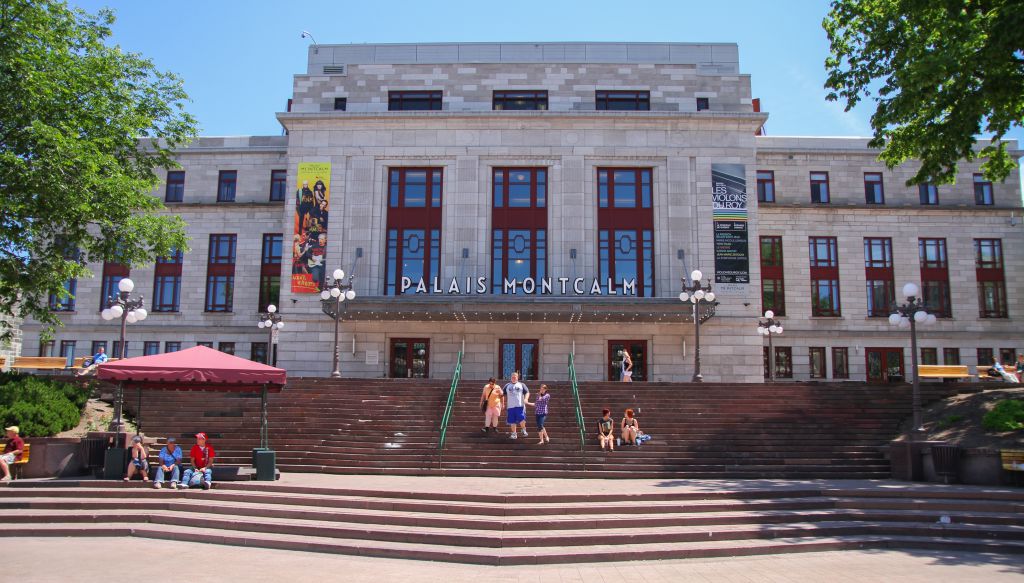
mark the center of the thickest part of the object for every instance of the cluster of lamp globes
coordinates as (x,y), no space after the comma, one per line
(337,293)
(921,317)
(116,311)
(698,295)
(773,329)
(270,323)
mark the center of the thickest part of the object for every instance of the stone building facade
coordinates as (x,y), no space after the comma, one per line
(614,146)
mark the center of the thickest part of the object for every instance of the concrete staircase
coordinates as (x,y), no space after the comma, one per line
(529,528)
(388,426)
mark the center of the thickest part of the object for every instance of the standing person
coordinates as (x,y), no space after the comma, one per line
(170,461)
(605,435)
(516,396)
(541,403)
(201,471)
(14,447)
(630,428)
(490,403)
(627,367)
(139,463)
(1020,368)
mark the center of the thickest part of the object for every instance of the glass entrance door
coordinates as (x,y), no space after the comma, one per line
(518,355)
(885,365)
(410,358)
(637,351)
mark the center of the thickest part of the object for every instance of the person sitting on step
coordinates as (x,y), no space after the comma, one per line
(630,428)
(170,461)
(139,462)
(605,434)
(201,472)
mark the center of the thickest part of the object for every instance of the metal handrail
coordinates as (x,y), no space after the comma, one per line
(576,398)
(448,408)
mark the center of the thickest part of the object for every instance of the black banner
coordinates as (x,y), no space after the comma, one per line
(729,215)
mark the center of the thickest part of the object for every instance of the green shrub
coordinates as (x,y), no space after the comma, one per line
(40,407)
(949,421)
(1007,415)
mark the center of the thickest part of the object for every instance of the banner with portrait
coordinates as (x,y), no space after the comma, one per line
(309,244)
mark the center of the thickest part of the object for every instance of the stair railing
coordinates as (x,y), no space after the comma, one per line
(579,408)
(448,409)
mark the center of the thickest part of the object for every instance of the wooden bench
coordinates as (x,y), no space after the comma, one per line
(16,466)
(935,371)
(41,362)
(1012,461)
(3,361)
(79,361)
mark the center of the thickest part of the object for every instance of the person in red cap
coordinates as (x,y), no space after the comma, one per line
(201,472)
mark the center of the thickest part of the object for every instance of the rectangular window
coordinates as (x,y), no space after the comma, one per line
(167,283)
(520,100)
(113,273)
(226,347)
(175,189)
(703,103)
(414,101)
(46,348)
(413,227)
(96,345)
(929,194)
(270,271)
(874,190)
(220,273)
(150,347)
(623,100)
(625,222)
(259,352)
(765,186)
(172,346)
(988,255)
(783,362)
(340,103)
(817,356)
(824,257)
(278,185)
(773,287)
(1008,356)
(226,182)
(951,356)
(878,272)
(819,187)
(117,350)
(840,362)
(206,344)
(982,191)
(930,356)
(67,348)
(519,226)
(66,303)
(986,356)
(935,277)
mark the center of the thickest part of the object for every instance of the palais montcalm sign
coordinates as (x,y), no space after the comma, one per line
(528,286)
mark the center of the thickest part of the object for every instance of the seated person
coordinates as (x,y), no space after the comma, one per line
(1000,371)
(201,472)
(90,364)
(630,428)
(170,461)
(139,462)
(14,447)
(605,434)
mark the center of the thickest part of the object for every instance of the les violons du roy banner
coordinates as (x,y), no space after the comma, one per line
(309,243)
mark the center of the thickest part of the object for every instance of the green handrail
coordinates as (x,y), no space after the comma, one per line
(576,398)
(448,408)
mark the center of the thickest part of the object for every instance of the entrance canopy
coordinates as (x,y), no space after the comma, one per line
(194,369)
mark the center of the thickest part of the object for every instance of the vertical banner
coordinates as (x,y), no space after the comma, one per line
(729,215)
(309,244)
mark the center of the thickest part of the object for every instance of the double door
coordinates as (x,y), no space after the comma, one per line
(637,351)
(518,356)
(884,365)
(410,358)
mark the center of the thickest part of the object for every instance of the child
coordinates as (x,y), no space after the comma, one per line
(139,462)
(605,435)
(541,403)
(630,428)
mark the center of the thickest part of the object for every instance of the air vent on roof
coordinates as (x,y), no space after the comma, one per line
(335,70)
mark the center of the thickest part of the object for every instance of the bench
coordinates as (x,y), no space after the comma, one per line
(3,361)
(984,376)
(41,362)
(16,466)
(934,371)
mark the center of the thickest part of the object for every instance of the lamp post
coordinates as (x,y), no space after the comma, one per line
(909,315)
(698,295)
(129,311)
(767,327)
(272,321)
(331,298)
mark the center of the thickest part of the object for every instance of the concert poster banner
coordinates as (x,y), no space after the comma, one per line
(309,244)
(729,216)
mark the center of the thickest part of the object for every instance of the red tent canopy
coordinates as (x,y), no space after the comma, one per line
(199,368)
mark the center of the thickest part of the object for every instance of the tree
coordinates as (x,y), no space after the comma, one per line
(939,71)
(83,127)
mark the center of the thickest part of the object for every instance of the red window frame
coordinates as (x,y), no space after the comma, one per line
(878,273)
(415,100)
(983,195)
(226,347)
(506,218)
(174,190)
(270,270)
(519,100)
(929,355)
(783,362)
(990,275)
(935,276)
(772,274)
(840,362)
(278,185)
(65,345)
(622,100)
(874,188)
(221,265)
(227,185)
(765,186)
(403,217)
(819,353)
(639,219)
(167,268)
(985,356)
(113,273)
(825,273)
(817,180)
(951,356)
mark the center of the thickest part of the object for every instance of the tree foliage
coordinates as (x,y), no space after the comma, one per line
(83,127)
(940,72)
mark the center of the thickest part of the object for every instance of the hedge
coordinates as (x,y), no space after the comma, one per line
(40,407)
(1007,415)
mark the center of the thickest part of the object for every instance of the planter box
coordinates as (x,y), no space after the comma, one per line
(54,457)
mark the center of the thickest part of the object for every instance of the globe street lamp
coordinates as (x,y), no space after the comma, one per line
(909,315)
(698,295)
(767,327)
(272,321)
(331,298)
(129,311)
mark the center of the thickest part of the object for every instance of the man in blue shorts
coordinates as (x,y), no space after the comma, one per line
(516,396)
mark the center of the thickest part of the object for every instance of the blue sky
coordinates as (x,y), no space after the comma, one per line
(238,58)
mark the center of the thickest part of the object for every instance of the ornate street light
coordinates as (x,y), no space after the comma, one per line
(129,311)
(272,321)
(331,298)
(767,327)
(909,315)
(698,295)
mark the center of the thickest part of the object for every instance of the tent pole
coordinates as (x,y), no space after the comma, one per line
(264,438)
(118,402)
(138,415)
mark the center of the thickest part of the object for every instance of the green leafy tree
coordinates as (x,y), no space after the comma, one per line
(939,71)
(83,128)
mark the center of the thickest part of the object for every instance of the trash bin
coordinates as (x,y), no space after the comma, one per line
(256,450)
(266,464)
(946,459)
(115,461)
